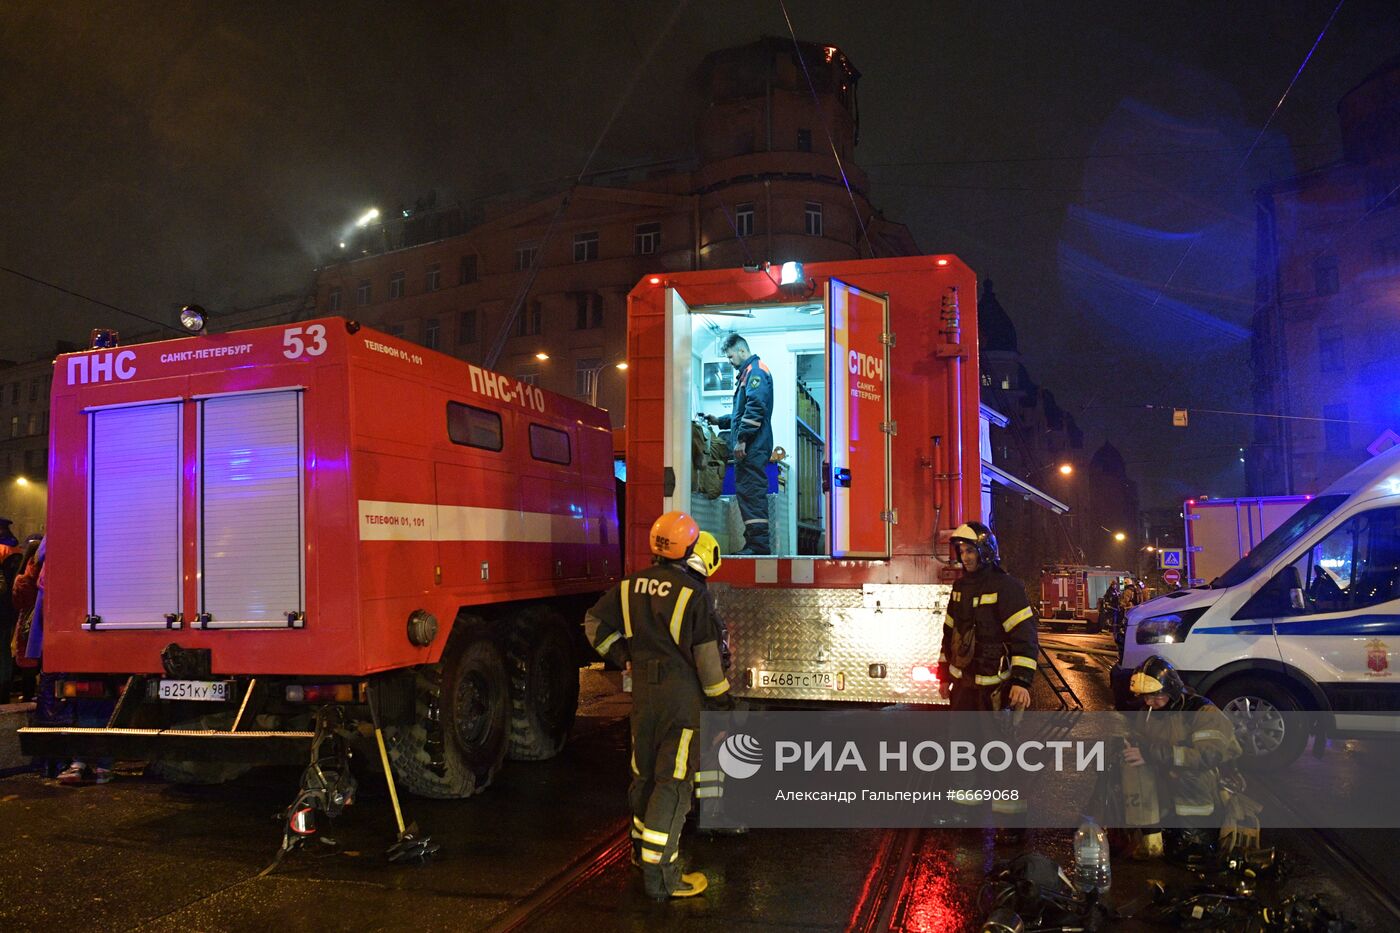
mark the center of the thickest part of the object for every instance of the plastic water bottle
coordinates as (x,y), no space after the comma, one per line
(1091,866)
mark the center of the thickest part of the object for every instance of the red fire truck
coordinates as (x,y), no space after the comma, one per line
(874,366)
(246,525)
(1073,592)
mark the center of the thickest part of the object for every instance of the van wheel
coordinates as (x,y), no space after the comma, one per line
(543,686)
(459,740)
(1260,710)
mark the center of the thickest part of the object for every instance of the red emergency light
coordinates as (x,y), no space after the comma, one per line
(80,689)
(922,674)
(320,693)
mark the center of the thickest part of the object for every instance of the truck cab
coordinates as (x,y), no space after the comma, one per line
(1307,620)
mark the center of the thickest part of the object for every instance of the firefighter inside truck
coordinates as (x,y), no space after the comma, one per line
(791,341)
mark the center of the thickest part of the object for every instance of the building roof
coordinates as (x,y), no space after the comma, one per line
(995,332)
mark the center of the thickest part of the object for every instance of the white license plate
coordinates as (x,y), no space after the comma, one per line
(801,680)
(212,690)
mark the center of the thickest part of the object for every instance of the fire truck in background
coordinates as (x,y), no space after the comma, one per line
(874,367)
(1074,592)
(1221,531)
(245,526)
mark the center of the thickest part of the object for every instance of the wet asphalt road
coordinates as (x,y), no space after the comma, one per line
(142,855)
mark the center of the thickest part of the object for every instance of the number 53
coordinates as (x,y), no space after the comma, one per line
(313,345)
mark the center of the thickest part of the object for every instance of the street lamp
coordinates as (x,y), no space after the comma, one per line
(542,356)
(1119,536)
(596,375)
(21,481)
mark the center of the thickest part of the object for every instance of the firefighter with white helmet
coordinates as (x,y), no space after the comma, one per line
(990,641)
(663,622)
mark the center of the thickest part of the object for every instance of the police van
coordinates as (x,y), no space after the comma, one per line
(1307,620)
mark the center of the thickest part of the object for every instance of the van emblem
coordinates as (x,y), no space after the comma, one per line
(1377,658)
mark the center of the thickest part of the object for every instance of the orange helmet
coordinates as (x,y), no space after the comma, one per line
(673,535)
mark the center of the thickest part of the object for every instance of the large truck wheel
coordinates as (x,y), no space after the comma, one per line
(543,686)
(1262,711)
(459,741)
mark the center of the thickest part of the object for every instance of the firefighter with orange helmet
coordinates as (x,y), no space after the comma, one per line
(990,642)
(663,622)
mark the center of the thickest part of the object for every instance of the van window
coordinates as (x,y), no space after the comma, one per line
(473,427)
(1279,540)
(1356,566)
(549,444)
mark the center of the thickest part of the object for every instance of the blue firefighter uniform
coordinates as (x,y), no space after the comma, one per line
(750,423)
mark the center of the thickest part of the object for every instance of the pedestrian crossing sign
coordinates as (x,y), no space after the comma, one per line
(1171,558)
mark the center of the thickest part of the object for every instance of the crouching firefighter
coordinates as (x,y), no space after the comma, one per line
(663,621)
(1178,765)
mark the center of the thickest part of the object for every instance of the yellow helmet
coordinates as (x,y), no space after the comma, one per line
(673,534)
(704,557)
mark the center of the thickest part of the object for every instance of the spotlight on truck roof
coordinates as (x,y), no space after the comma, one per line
(104,338)
(192,318)
(791,274)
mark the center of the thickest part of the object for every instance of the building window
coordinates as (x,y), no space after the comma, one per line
(743,219)
(1325,275)
(530,378)
(466,269)
(34,390)
(14,393)
(362,292)
(1330,355)
(586,377)
(432,333)
(531,317)
(646,239)
(524,257)
(814,218)
(394,330)
(549,444)
(804,140)
(14,426)
(473,427)
(434,281)
(1386,251)
(396,286)
(589,310)
(333,301)
(586,246)
(466,326)
(1338,430)
(33,423)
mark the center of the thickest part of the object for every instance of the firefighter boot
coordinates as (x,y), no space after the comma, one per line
(668,882)
(1148,847)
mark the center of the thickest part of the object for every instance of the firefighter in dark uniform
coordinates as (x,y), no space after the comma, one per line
(750,439)
(989,648)
(990,642)
(662,621)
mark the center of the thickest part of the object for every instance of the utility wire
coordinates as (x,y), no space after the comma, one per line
(1006,160)
(508,324)
(826,127)
(1243,414)
(97,301)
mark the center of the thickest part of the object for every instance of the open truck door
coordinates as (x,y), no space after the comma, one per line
(861,511)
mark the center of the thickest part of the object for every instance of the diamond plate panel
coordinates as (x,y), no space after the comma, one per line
(840,632)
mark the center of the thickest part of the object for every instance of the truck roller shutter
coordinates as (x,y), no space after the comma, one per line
(251,520)
(135,517)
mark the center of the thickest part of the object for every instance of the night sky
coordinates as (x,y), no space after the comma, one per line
(157,154)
